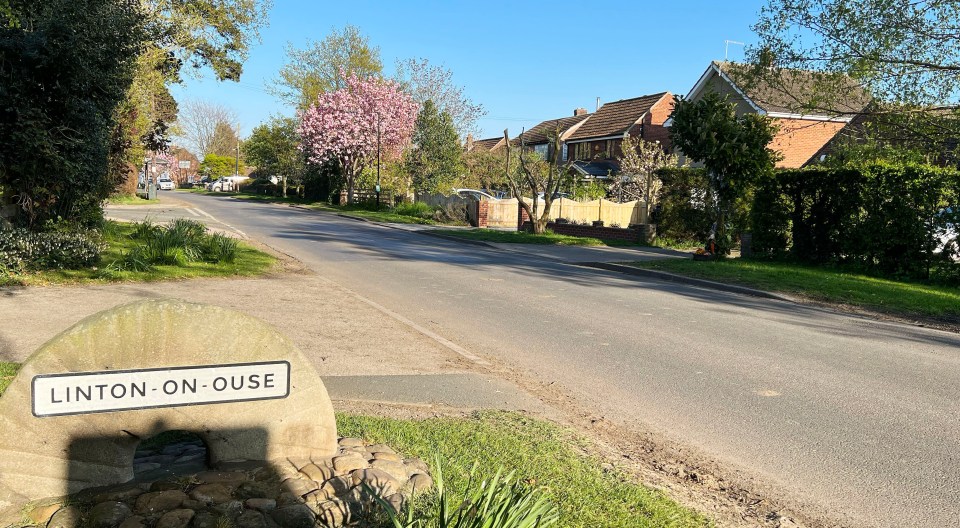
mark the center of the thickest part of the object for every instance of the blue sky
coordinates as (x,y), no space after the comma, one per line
(524,62)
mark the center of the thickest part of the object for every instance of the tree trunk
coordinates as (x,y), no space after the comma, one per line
(284,178)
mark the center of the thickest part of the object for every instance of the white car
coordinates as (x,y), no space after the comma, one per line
(476,194)
(166,184)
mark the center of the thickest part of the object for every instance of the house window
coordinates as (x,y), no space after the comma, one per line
(542,150)
(564,152)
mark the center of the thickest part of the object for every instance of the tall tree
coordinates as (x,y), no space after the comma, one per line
(197,124)
(734,149)
(434,163)
(225,140)
(904,51)
(273,148)
(352,124)
(211,33)
(325,66)
(427,82)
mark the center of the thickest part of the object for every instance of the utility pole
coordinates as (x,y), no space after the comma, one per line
(378,161)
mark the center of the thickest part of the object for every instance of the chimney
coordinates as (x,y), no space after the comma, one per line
(579,112)
(598,103)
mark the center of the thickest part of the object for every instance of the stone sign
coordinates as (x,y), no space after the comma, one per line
(80,405)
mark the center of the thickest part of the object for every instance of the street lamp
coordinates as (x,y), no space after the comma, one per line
(378,160)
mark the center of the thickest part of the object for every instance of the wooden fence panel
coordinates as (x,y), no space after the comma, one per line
(502,213)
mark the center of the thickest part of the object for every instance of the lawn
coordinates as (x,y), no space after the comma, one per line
(127,199)
(117,237)
(543,454)
(385,215)
(521,237)
(823,284)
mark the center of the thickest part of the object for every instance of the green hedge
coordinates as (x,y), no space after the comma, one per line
(683,211)
(886,218)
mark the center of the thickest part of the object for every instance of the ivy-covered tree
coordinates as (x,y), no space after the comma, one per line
(434,162)
(734,150)
(65,66)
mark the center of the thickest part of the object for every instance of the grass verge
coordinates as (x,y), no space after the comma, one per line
(385,215)
(118,240)
(521,237)
(128,199)
(543,454)
(7,371)
(823,284)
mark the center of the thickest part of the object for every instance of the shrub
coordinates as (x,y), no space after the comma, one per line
(502,502)
(682,212)
(21,249)
(417,209)
(220,248)
(262,186)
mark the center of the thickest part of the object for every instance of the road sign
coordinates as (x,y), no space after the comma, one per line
(184,164)
(120,390)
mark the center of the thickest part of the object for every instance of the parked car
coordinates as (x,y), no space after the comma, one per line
(165,184)
(476,194)
(949,237)
(220,185)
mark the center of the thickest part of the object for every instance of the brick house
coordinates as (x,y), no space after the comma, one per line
(595,146)
(803,134)
(540,138)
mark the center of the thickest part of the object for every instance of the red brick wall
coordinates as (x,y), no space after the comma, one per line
(522,218)
(799,139)
(653,129)
(633,234)
(483,211)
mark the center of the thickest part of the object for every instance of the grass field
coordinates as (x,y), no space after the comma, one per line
(823,284)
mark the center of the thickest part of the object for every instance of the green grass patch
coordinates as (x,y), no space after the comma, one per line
(384,215)
(543,454)
(823,284)
(128,199)
(121,241)
(522,237)
(7,371)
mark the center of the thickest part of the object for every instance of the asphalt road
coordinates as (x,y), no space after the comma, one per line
(859,417)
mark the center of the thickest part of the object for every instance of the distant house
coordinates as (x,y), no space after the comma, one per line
(540,138)
(595,145)
(803,134)
(489,144)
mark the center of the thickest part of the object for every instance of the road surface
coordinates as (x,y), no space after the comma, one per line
(859,417)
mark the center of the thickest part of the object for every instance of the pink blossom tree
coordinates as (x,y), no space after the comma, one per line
(345,125)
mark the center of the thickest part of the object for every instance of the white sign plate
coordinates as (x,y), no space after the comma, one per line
(184,164)
(124,390)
